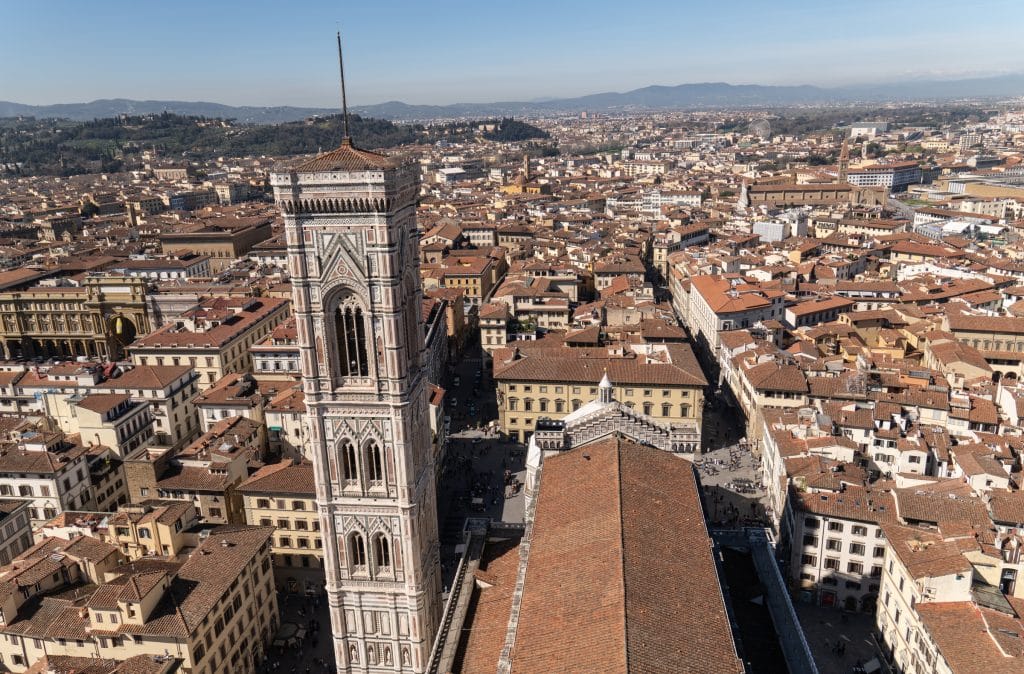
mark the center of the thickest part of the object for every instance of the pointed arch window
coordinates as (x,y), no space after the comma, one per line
(350,331)
(357,551)
(349,463)
(381,552)
(374,464)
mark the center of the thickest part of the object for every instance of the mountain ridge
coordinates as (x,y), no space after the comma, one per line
(654,97)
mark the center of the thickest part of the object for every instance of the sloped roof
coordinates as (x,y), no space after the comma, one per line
(632,599)
(347,157)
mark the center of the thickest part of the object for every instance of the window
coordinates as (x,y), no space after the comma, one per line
(283,524)
(808,560)
(381,552)
(350,332)
(811,523)
(855,567)
(357,550)
(648,409)
(262,503)
(834,544)
(144,533)
(831,563)
(859,530)
(810,540)
(835,526)
(879,551)
(348,462)
(857,548)
(285,542)
(298,505)
(374,464)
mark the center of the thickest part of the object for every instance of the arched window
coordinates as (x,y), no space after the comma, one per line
(374,465)
(350,331)
(349,464)
(357,550)
(381,552)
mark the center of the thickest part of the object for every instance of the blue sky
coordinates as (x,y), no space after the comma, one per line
(446,51)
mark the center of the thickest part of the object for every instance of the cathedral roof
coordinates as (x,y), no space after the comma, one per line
(605,588)
(347,157)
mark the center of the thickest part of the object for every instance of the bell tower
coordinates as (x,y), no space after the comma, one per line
(350,225)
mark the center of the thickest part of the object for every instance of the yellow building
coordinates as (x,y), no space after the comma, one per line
(151,528)
(662,381)
(97,318)
(283,495)
(216,612)
(215,338)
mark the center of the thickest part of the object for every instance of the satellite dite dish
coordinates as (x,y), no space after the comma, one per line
(761,128)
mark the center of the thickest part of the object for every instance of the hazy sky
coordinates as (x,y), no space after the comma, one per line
(446,51)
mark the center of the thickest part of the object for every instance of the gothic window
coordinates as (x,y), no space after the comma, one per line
(374,464)
(381,552)
(349,465)
(350,331)
(357,551)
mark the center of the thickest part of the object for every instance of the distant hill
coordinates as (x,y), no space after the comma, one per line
(683,96)
(113,107)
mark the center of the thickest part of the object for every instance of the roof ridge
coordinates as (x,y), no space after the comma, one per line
(622,547)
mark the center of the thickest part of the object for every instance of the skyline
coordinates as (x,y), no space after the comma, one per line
(194,52)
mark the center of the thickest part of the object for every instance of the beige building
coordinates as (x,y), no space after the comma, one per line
(661,381)
(215,612)
(151,528)
(213,339)
(99,317)
(223,239)
(283,496)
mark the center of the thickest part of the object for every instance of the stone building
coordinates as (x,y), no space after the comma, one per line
(350,223)
(99,317)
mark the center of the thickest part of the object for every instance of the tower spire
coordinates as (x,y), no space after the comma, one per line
(344,101)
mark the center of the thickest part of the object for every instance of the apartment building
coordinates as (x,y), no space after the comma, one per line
(49,471)
(214,339)
(277,356)
(223,240)
(283,496)
(15,528)
(663,382)
(718,303)
(215,612)
(895,176)
(168,390)
(151,528)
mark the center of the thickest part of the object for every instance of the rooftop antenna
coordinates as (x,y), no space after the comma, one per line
(344,100)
